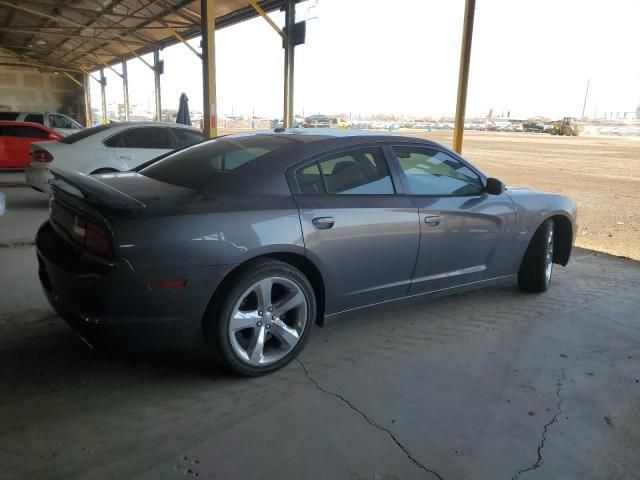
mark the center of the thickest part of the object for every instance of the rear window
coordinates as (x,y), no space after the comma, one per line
(23,131)
(87,132)
(198,166)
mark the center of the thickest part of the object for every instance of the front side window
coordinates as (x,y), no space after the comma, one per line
(356,172)
(432,172)
(59,121)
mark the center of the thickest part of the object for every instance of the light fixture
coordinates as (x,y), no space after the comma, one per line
(41,42)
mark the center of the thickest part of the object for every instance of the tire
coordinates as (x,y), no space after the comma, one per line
(104,170)
(537,265)
(269,301)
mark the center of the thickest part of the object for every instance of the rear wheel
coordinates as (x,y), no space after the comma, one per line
(263,319)
(537,264)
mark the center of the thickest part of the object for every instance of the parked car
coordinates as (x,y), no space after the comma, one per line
(533,127)
(246,240)
(56,121)
(109,148)
(15,138)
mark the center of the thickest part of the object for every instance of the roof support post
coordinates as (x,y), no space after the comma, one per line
(87,100)
(289,50)
(156,74)
(208,29)
(463,78)
(103,95)
(125,89)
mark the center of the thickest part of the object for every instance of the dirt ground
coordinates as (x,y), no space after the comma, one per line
(601,173)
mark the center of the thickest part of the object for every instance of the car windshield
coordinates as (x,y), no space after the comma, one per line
(87,132)
(199,165)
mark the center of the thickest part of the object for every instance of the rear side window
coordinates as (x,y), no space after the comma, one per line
(35,118)
(186,137)
(23,131)
(82,134)
(361,171)
(8,115)
(142,137)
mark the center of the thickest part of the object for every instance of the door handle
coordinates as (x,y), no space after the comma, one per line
(125,157)
(432,221)
(323,223)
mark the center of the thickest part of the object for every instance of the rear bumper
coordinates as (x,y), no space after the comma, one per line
(114,308)
(38,176)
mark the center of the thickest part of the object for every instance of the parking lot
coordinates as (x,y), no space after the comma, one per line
(485,385)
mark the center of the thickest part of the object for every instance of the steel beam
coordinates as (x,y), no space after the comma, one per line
(72,78)
(463,78)
(208,28)
(87,99)
(103,95)
(289,54)
(156,76)
(125,89)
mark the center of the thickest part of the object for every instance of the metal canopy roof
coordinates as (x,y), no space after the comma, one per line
(84,35)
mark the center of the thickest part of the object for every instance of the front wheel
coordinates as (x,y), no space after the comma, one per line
(537,264)
(263,319)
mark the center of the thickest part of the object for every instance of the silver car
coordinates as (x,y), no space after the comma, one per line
(243,242)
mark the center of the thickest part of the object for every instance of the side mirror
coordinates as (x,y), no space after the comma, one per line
(53,136)
(494,186)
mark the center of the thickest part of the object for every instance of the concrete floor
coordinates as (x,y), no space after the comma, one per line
(493,384)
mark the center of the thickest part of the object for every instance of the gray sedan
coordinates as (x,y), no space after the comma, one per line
(243,242)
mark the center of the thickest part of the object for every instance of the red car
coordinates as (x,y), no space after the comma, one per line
(15,138)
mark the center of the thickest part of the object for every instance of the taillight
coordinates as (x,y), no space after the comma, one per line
(41,156)
(95,239)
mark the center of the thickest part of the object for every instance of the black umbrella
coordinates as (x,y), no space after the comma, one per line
(183,111)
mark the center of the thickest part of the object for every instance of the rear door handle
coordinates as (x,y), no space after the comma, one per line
(432,221)
(125,157)
(323,223)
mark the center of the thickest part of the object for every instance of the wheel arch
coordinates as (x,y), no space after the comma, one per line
(563,239)
(302,263)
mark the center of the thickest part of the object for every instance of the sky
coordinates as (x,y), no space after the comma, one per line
(529,57)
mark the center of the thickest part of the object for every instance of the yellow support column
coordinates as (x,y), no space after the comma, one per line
(208,28)
(87,100)
(463,79)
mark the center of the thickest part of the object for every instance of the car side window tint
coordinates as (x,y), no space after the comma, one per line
(115,141)
(357,172)
(24,132)
(309,180)
(58,121)
(432,172)
(8,115)
(186,137)
(148,137)
(35,118)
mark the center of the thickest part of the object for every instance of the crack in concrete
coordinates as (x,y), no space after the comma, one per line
(540,461)
(370,421)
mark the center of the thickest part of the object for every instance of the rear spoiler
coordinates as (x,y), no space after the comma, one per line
(92,190)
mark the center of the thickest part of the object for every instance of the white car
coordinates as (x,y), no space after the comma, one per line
(115,147)
(56,121)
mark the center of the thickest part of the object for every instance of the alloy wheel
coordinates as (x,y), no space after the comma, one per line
(268,320)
